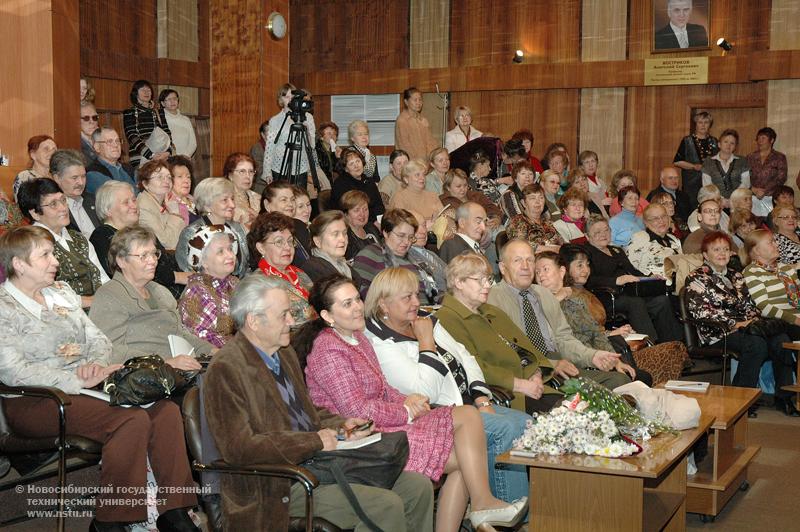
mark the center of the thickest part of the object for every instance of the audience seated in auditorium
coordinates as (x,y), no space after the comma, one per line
(271,241)
(47,340)
(670,181)
(523,175)
(572,222)
(279,196)
(360,232)
(394,181)
(611,269)
(145,125)
(463,132)
(155,182)
(214,202)
(341,375)
(351,177)
(239,169)
(40,149)
(399,228)
(650,247)
(274,421)
(412,132)
(533,225)
(329,245)
(89,124)
(621,179)
(204,306)
(625,223)
(109,164)
(117,209)
(457,191)
(536,312)
(587,320)
(471,234)
(692,152)
(414,197)
(717,292)
(42,203)
(504,353)
(526,137)
(358,134)
(180,197)
(417,355)
(181,129)
(439,162)
(135,312)
(677,225)
(66,167)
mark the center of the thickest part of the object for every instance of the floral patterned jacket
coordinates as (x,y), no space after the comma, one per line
(709,298)
(647,254)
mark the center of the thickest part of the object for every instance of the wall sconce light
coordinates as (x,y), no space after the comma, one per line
(518,55)
(725,45)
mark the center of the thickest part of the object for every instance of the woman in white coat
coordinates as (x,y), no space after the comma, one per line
(417,355)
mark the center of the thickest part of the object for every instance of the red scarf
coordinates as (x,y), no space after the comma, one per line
(580,224)
(290,276)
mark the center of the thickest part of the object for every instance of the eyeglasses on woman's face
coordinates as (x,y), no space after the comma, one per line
(402,236)
(282,242)
(147,255)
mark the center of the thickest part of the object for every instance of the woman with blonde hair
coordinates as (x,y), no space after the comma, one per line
(414,197)
(417,355)
(439,161)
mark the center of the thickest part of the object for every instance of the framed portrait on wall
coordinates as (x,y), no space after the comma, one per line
(680,25)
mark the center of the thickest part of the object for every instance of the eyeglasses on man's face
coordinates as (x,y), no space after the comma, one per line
(90,118)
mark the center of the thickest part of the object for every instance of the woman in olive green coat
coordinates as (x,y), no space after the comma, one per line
(504,353)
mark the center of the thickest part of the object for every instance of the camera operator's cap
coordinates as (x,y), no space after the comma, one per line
(203,234)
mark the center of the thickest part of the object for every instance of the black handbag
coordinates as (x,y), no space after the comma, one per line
(144,380)
(645,288)
(766,327)
(378,464)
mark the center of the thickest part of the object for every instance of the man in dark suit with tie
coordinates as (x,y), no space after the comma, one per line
(470,228)
(679,33)
(67,169)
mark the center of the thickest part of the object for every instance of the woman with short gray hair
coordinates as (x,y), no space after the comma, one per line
(136,313)
(214,202)
(116,206)
(358,133)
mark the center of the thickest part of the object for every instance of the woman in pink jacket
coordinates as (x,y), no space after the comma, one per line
(344,376)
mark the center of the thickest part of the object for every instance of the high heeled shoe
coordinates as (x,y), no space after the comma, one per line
(505,516)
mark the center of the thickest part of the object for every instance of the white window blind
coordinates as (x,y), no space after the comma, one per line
(379,111)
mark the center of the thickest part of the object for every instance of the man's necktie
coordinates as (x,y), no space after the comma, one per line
(532,329)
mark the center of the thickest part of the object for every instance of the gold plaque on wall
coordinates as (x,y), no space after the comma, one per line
(676,71)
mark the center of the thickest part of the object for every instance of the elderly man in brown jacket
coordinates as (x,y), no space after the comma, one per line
(259,411)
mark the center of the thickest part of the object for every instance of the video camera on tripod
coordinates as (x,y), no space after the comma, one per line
(298,142)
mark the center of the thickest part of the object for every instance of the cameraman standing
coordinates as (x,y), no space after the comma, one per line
(274,152)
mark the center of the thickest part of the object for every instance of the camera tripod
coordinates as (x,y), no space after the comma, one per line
(296,144)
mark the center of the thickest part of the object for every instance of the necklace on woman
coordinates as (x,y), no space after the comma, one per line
(704,149)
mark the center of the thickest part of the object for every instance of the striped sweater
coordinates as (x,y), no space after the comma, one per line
(769,293)
(372,260)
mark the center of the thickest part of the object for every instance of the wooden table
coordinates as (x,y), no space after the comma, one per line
(796,386)
(724,470)
(643,492)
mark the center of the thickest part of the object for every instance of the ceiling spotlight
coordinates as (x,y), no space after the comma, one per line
(725,45)
(518,56)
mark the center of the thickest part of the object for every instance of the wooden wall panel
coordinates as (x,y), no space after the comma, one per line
(602,128)
(658,117)
(40,81)
(126,28)
(429,33)
(604,30)
(745,23)
(339,35)
(486,32)
(784,31)
(783,114)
